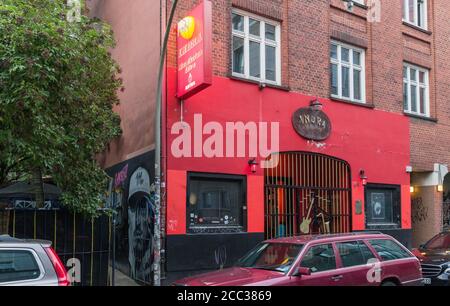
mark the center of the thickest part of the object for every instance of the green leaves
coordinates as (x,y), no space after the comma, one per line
(58,86)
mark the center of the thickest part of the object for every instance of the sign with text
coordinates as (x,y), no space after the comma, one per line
(194,43)
(312,124)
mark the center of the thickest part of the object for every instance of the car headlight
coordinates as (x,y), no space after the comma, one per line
(447,271)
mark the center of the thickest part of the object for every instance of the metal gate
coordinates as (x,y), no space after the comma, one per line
(307,193)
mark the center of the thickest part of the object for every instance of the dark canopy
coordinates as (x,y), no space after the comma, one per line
(24,189)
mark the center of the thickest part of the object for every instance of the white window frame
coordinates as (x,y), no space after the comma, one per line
(263,43)
(415,22)
(351,66)
(408,82)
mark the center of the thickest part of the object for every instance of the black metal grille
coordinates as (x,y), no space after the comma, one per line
(307,193)
(431,270)
(446,215)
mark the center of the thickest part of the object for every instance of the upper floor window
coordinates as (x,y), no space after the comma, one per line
(347,72)
(416,90)
(255,48)
(415,12)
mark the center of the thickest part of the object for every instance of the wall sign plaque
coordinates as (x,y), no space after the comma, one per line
(312,124)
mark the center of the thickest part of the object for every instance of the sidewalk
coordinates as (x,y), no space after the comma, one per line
(123,280)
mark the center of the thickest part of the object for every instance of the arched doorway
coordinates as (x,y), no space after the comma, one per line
(307,193)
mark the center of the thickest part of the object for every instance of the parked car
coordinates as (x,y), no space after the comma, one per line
(366,259)
(434,257)
(30,263)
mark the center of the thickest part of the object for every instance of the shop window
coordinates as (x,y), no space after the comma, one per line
(383,207)
(255,48)
(415,90)
(415,12)
(347,72)
(216,203)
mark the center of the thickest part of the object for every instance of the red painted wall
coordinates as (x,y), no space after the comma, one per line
(369,139)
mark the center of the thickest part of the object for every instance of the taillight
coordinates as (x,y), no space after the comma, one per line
(59,267)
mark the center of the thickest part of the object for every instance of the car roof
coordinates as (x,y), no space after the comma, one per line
(329,238)
(6,239)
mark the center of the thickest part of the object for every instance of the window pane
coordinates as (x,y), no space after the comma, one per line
(356,58)
(405,72)
(389,250)
(422,100)
(270,63)
(345,54)
(334,79)
(351,254)
(422,77)
(334,52)
(413,74)
(320,258)
(346,82)
(420,13)
(414,98)
(405,96)
(255,28)
(270,32)
(238,55)
(255,59)
(357,84)
(367,253)
(238,22)
(17,265)
(411,10)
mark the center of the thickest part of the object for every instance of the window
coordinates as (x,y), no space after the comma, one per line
(415,12)
(354,253)
(320,258)
(389,250)
(347,73)
(271,256)
(415,90)
(18,265)
(383,208)
(215,203)
(256,48)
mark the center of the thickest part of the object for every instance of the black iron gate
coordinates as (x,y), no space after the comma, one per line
(446,215)
(307,193)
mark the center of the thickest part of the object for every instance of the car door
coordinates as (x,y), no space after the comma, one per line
(20,266)
(356,263)
(321,260)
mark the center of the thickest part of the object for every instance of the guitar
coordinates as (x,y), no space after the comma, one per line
(325,225)
(305,226)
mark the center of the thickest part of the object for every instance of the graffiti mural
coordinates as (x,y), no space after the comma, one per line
(419,211)
(140,226)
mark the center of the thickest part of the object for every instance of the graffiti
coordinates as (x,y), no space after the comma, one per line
(420,212)
(220,256)
(121,177)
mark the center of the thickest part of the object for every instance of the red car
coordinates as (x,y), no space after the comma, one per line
(355,259)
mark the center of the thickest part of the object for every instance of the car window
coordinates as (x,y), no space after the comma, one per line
(319,258)
(441,241)
(354,253)
(389,250)
(18,265)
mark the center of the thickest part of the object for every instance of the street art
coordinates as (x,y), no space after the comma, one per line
(419,211)
(141,216)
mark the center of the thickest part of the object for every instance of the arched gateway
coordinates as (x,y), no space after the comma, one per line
(307,193)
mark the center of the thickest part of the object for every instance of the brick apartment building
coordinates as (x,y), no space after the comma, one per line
(379,71)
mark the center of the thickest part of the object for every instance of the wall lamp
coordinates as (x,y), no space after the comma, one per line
(412,189)
(253,163)
(316,105)
(440,188)
(363,177)
(350,4)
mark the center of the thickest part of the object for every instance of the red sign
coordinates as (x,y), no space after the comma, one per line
(194,43)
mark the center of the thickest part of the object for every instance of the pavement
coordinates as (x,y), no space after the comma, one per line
(122,280)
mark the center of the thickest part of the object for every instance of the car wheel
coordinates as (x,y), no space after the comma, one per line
(388,284)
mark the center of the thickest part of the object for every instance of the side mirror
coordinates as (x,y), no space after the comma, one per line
(299,271)
(422,247)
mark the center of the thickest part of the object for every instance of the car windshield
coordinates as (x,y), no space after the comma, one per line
(271,256)
(439,242)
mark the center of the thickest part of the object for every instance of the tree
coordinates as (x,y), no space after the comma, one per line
(58,87)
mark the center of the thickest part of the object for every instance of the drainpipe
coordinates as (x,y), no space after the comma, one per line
(157,225)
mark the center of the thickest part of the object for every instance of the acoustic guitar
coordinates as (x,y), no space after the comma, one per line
(326,225)
(305,226)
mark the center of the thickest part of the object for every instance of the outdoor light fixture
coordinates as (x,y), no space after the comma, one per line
(316,105)
(440,188)
(412,189)
(253,163)
(350,4)
(363,176)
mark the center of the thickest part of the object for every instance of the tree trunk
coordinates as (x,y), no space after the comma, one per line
(38,187)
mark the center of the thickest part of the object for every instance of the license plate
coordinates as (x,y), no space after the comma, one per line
(427,281)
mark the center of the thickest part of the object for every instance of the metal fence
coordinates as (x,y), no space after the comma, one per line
(446,215)
(72,236)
